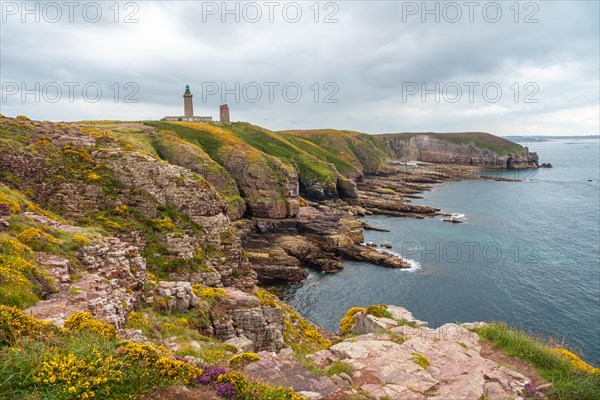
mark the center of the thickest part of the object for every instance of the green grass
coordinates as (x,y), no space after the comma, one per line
(344,167)
(206,141)
(498,145)
(309,166)
(338,367)
(567,381)
(348,148)
(420,360)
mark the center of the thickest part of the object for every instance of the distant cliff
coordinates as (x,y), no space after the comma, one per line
(468,148)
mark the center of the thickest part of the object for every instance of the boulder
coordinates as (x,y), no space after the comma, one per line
(365,323)
(241,343)
(346,188)
(178,295)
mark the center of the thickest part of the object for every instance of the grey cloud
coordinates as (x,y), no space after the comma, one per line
(370,53)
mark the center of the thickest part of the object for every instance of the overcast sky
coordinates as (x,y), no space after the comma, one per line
(531,68)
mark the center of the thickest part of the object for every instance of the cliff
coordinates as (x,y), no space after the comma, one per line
(469,148)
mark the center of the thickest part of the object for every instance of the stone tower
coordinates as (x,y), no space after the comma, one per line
(188,106)
(224,113)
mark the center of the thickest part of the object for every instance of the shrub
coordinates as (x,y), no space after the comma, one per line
(178,370)
(420,360)
(337,367)
(4,210)
(226,390)
(92,176)
(165,224)
(229,347)
(209,294)
(139,352)
(35,238)
(298,332)
(38,210)
(14,324)
(83,321)
(10,205)
(379,311)
(210,375)
(81,241)
(21,282)
(81,377)
(241,360)
(153,357)
(246,389)
(577,362)
(347,322)
(39,360)
(136,320)
(14,246)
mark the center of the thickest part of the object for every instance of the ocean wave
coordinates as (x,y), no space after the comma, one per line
(414,265)
(454,215)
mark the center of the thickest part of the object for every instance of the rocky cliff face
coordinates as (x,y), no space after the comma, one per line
(179,152)
(429,148)
(175,217)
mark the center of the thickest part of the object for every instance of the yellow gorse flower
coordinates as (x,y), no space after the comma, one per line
(577,362)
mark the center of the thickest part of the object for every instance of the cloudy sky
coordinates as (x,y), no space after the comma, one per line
(376,66)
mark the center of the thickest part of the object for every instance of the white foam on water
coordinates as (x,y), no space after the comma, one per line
(414,265)
(453,215)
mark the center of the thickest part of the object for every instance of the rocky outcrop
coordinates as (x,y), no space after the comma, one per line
(271,262)
(110,286)
(269,187)
(169,184)
(247,320)
(346,188)
(398,358)
(319,238)
(178,152)
(176,295)
(458,149)
(283,369)
(370,255)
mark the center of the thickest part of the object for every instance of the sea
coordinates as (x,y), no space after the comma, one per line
(528,254)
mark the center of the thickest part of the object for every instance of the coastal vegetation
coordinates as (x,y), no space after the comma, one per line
(571,378)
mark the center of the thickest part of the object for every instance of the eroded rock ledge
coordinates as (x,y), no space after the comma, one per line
(397,358)
(319,238)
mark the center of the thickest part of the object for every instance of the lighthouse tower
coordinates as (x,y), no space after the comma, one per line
(188,110)
(188,106)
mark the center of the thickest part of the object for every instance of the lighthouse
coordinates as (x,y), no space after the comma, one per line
(188,110)
(188,105)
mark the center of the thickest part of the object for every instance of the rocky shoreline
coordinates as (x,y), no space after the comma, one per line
(325,233)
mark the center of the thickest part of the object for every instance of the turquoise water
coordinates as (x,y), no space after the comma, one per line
(528,254)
